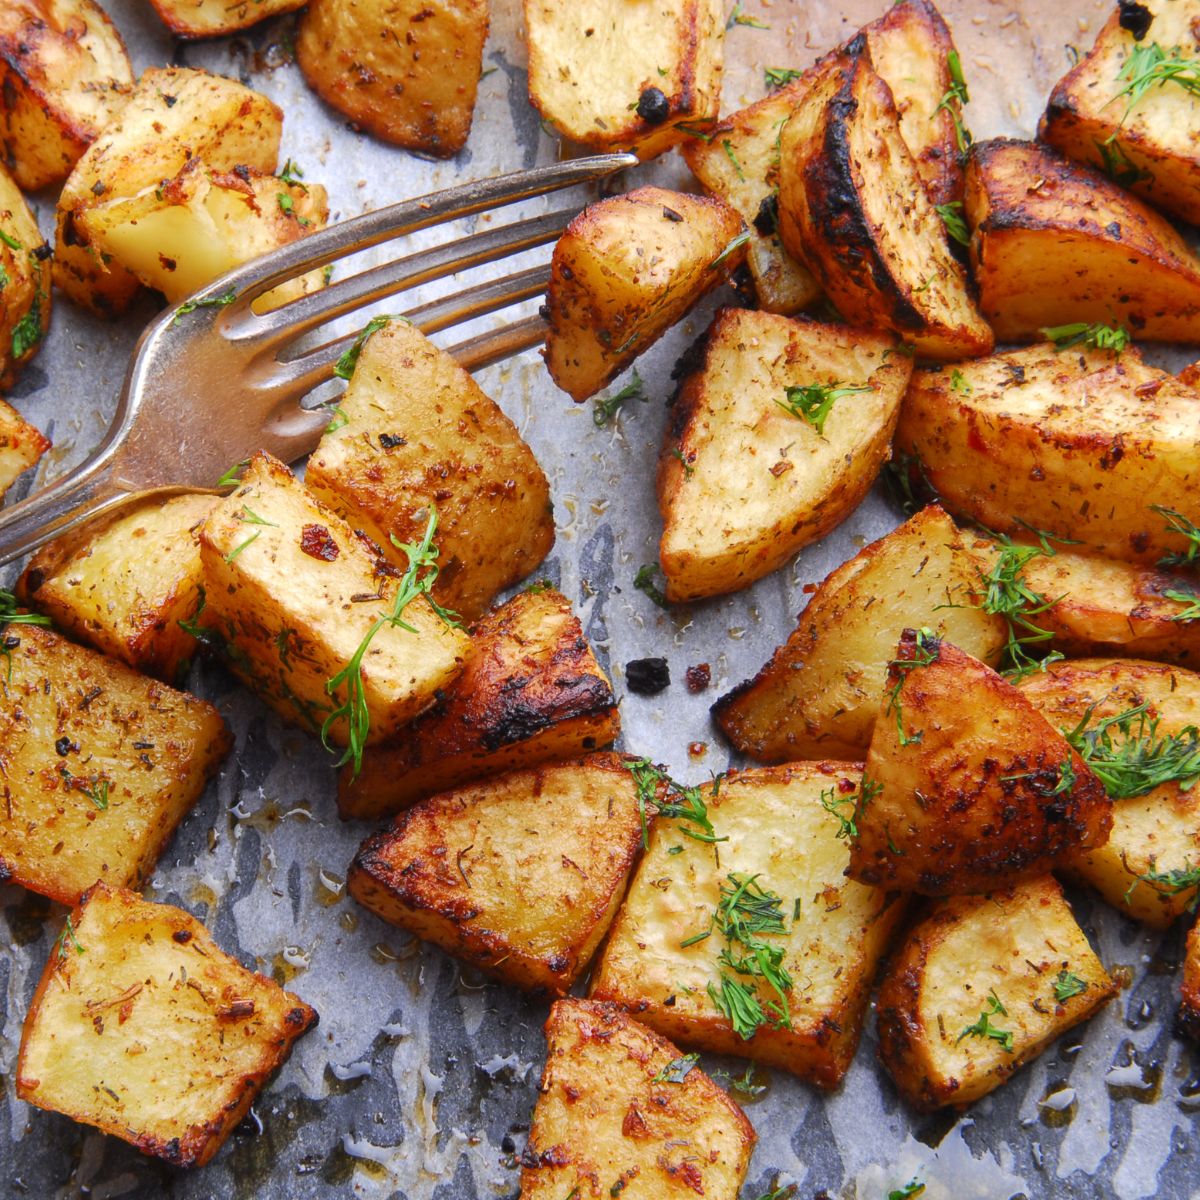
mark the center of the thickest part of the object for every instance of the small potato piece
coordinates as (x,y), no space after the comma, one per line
(404,70)
(624,271)
(782,827)
(124,584)
(416,430)
(1074,248)
(743,482)
(966,784)
(1147,867)
(466,869)
(215,18)
(1189,1009)
(290,595)
(821,692)
(64,75)
(626,74)
(21,446)
(145,1028)
(530,691)
(100,765)
(25,286)
(1016,958)
(842,163)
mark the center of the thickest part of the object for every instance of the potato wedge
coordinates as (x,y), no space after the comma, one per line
(100,765)
(966,785)
(414,429)
(620,1113)
(624,271)
(21,446)
(626,74)
(403,70)
(64,75)
(821,692)
(145,1028)
(1189,1009)
(842,162)
(1074,248)
(24,284)
(530,692)
(781,827)
(980,987)
(216,18)
(744,481)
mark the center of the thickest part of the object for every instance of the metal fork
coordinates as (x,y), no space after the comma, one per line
(207,389)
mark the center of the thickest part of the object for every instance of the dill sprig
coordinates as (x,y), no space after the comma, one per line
(983,1027)
(11,615)
(1118,166)
(68,934)
(813,402)
(737,17)
(1170,883)
(927,647)
(607,407)
(777,77)
(953,100)
(677,1070)
(1190,599)
(914,1187)
(1148,66)
(1068,984)
(955,222)
(832,803)
(1126,754)
(678,802)
(1080,333)
(1178,523)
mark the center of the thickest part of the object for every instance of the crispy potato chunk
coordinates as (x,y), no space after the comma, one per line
(145,1028)
(100,765)
(1147,868)
(821,692)
(966,785)
(624,271)
(64,75)
(1189,1009)
(21,446)
(290,594)
(415,429)
(743,480)
(124,584)
(404,70)
(24,286)
(466,871)
(215,18)
(174,114)
(980,987)
(619,1112)
(626,74)
(1074,248)
(781,825)
(530,691)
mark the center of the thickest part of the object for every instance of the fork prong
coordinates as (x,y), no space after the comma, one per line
(481,351)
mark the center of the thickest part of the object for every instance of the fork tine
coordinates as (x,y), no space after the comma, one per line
(483,350)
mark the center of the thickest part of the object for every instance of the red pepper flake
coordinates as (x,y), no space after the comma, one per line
(317,542)
(698,678)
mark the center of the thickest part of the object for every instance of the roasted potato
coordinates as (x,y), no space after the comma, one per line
(619,1112)
(64,75)
(24,286)
(980,987)
(100,765)
(821,692)
(530,692)
(519,875)
(1189,1009)
(414,429)
(145,1028)
(624,271)
(215,18)
(637,75)
(779,828)
(21,446)
(966,785)
(403,70)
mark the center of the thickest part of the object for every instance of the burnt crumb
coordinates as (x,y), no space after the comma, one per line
(671,214)
(544,311)
(43,252)
(647,676)
(317,542)
(507,1145)
(698,678)
(182,936)
(1134,18)
(653,106)
(65,746)
(98,188)
(766,220)
(389,441)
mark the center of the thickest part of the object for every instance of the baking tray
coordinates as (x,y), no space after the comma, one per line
(421,1078)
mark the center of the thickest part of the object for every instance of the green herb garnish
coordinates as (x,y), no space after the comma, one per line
(1126,754)
(912,1188)
(1178,523)
(1191,599)
(926,652)
(677,1070)
(292,174)
(68,934)
(233,476)
(738,242)
(1080,333)
(644,582)
(287,206)
(10,241)
(607,407)
(28,330)
(953,100)
(344,367)
(727,146)
(1118,166)
(737,17)
(1169,883)
(983,1028)
(813,402)
(189,306)
(1149,65)
(832,803)
(955,222)
(1068,984)
(777,77)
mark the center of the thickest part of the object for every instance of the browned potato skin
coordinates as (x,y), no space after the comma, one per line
(603,1122)
(214,1041)
(21,445)
(969,803)
(1075,248)
(403,70)
(215,18)
(530,691)
(26,291)
(1189,1010)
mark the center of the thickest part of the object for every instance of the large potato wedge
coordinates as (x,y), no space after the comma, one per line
(1189,1009)
(24,282)
(821,692)
(216,18)
(21,446)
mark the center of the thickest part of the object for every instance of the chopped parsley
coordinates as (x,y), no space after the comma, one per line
(955,222)
(344,367)
(777,77)
(1094,336)
(190,306)
(677,1070)
(813,402)
(953,100)
(607,407)
(644,582)
(287,206)
(1068,984)
(983,1028)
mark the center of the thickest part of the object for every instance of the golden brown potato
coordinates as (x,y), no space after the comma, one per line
(966,785)
(519,875)
(771,443)
(403,70)
(100,765)
(624,271)
(626,74)
(1189,1011)
(530,692)
(21,446)
(215,18)
(1054,242)
(64,75)
(413,428)
(619,1112)
(145,1028)
(780,826)
(124,583)
(24,285)
(821,692)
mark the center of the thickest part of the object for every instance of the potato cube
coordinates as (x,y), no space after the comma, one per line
(145,1028)
(619,1112)
(982,985)
(530,691)
(21,446)
(216,18)
(1189,1009)
(24,285)
(100,765)
(520,875)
